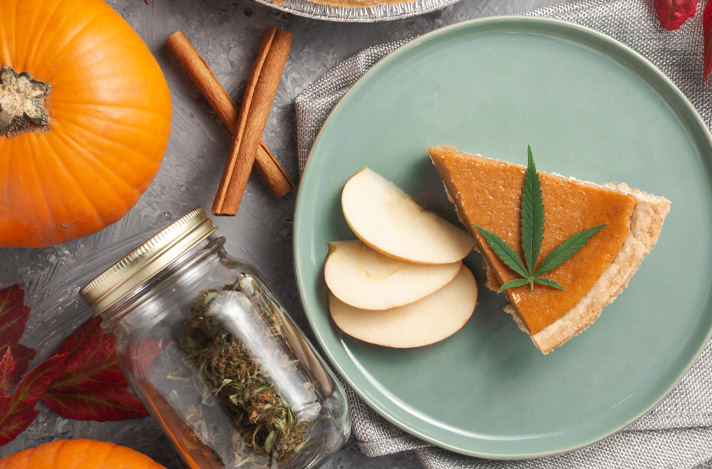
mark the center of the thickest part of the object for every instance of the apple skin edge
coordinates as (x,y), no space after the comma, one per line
(366,279)
(424,322)
(387,220)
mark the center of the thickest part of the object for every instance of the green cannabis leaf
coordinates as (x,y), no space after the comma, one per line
(532,234)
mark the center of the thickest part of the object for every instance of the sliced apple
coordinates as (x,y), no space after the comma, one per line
(366,279)
(388,220)
(429,320)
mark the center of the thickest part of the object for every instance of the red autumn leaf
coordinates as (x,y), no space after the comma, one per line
(143,352)
(105,403)
(7,365)
(92,360)
(673,13)
(13,321)
(707,28)
(13,315)
(21,356)
(91,385)
(17,411)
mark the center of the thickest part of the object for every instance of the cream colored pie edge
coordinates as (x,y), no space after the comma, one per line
(646,222)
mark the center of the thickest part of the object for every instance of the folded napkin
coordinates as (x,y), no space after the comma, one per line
(678,432)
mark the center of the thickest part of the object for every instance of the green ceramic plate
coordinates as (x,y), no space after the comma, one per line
(590,108)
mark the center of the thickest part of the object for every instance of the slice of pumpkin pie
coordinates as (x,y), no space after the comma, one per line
(488,193)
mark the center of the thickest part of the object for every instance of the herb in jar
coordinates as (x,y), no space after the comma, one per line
(220,344)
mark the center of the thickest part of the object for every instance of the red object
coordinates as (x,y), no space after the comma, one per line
(13,321)
(78,454)
(17,411)
(21,356)
(13,315)
(92,359)
(90,385)
(144,352)
(7,365)
(707,29)
(82,380)
(674,13)
(101,404)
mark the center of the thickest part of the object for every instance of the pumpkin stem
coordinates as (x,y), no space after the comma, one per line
(22,103)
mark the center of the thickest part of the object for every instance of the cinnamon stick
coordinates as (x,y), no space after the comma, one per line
(200,74)
(252,119)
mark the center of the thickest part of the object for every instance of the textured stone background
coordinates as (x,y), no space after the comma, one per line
(227,33)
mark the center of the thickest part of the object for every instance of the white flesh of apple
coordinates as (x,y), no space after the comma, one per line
(424,322)
(366,279)
(387,219)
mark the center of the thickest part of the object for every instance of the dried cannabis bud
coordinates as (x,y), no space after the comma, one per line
(232,361)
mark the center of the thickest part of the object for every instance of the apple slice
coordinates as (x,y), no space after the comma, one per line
(424,322)
(386,218)
(366,279)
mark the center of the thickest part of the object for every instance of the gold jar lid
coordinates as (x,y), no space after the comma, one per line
(147,260)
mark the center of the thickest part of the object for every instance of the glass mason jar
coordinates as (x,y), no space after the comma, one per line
(215,358)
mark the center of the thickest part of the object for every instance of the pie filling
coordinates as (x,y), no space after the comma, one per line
(488,192)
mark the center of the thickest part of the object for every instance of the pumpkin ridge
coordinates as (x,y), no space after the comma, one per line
(61,103)
(5,45)
(32,32)
(101,40)
(58,225)
(14,29)
(37,181)
(108,139)
(27,44)
(56,447)
(113,64)
(73,178)
(141,128)
(75,32)
(4,177)
(69,142)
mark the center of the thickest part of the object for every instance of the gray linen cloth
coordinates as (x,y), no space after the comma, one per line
(678,432)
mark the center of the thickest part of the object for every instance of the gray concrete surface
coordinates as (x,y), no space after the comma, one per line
(227,33)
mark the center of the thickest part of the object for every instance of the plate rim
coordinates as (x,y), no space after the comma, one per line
(700,131)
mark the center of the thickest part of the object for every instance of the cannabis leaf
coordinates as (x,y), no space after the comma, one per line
(532,234)
(532,214)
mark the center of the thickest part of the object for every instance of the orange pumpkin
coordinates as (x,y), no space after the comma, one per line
(84,119)
(84,454)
